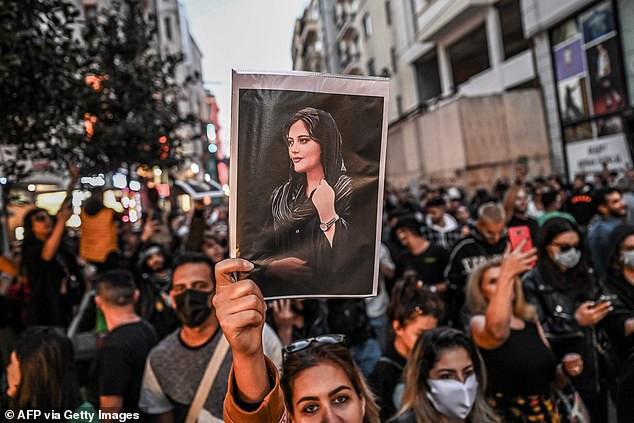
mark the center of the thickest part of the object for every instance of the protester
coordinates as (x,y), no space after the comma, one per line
(98,243)
(51,268)
(413,311)
(321,381)
(487,241)
(298,319)
(349,317)
(620,283)
(611,213)
(441,228)
(552,202)
(154,282)
(118,368)
(426,259)
(516,208)
(42,376)
(566,296)
(512,344)
(174,368)
(580,204)
(444,381)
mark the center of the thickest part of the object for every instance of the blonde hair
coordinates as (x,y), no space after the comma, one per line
(477,303)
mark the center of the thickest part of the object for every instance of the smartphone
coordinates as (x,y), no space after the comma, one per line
(607,298)
(519,233)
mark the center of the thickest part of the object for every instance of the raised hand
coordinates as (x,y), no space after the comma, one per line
(323,197)
(240,308)
(516,262)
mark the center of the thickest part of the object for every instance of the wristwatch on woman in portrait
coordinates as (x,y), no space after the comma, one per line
(325,226)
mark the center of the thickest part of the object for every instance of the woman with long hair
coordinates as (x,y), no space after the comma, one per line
(445,381)
(566,296)
(321,381)
(506,330)
(310,210)
(413,310)
(41,374)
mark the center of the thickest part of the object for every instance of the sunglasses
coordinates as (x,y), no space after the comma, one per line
(303,344)
(566,247)
(40,218)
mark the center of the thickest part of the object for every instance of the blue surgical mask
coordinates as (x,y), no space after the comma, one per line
(453,398)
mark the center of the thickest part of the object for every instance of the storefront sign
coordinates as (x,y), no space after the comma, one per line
(589,156)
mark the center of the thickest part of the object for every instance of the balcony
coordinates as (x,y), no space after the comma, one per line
(445,15)
(351,64)
(310,31)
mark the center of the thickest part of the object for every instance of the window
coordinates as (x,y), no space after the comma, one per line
(512,29)
(168,27)
(427,77)
(393,59)
(388,12)
(367,26)
(371,70)
(469,56)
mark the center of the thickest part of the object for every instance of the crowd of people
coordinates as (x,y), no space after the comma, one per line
(470,324)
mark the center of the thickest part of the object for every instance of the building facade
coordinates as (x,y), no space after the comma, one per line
(584,55)
(462,85)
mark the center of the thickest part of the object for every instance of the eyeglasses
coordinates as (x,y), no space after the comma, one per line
(303,344)
(565,247)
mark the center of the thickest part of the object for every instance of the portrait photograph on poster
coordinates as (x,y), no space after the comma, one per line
(606,77)
(307,175)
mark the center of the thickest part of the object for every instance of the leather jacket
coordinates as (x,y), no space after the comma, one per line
(556,310)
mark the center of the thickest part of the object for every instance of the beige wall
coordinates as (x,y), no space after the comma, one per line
(470,142)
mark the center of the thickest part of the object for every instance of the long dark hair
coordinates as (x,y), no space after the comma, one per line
(337,355)
(27,224)
(322,128)
(427,351)
(48,377)
(578,277)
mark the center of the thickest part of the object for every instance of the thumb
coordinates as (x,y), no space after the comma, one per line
(225,268)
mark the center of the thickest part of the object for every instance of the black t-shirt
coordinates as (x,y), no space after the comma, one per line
(532,224)
(429,266)
(120,362)
(581,207)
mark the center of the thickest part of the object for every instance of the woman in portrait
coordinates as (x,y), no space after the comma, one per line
(310,210)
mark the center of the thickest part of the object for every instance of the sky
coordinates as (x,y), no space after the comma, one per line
(250,35)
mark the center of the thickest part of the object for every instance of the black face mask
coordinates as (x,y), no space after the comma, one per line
(192,307)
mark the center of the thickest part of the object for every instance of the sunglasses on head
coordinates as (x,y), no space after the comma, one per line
(303,344)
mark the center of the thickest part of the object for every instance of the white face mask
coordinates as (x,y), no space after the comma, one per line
(628,259)
(452,398)
(568,259)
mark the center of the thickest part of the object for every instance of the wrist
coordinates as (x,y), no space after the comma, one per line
(327,216)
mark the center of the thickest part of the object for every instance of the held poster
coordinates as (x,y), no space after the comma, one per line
(307,175)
